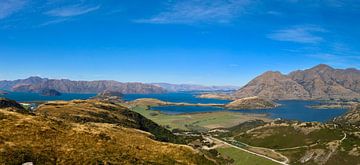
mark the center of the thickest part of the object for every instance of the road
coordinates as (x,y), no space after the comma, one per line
(263,156)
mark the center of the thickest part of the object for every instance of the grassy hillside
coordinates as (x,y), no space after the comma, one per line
(79,111)
(52,136)
(198,121)
(301,143)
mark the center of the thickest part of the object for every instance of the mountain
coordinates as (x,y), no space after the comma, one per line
(325,82)
(319,82)
(88,132)
(193,87)
(36,84)
(273,85)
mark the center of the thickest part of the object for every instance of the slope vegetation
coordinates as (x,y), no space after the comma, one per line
(87,132)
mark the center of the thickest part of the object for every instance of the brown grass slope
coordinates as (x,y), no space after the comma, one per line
(80,111)
(51,138)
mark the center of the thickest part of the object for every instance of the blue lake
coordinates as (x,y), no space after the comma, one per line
(187,97)
(25,97)
(292,110)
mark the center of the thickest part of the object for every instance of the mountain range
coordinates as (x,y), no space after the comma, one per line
(37,84)
(319,82)
(193,87)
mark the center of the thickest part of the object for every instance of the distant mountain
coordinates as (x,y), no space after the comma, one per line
(319,82)
(37,84)
(193,87)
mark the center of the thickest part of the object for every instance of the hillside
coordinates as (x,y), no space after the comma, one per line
(324,82)
(299,142)
(352,117)
(89,132)
(273,85)
(36,84)
(319,82)
(251,103)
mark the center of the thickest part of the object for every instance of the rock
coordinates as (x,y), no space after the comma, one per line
(50,92)
(251,103)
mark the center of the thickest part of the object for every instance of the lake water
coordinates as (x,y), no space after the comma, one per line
(292,110)
(187,97)
(27,97)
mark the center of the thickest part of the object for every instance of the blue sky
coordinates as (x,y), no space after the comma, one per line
(211,42)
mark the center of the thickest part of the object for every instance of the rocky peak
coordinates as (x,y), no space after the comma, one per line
(322,68)
(272,74)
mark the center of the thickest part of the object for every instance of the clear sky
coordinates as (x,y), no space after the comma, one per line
(211,42)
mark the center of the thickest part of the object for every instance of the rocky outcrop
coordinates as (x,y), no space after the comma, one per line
(36,84)
(50,92)
(319,82)
(251,103)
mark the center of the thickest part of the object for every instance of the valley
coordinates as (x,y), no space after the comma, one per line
(192,127)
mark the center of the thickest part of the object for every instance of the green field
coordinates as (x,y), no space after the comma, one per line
(198,121)
(244,158)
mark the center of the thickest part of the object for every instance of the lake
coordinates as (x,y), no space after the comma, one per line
(27,97)
(292,109)
(187,97)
